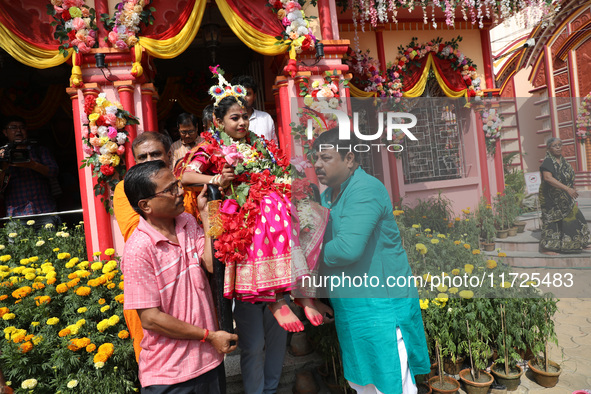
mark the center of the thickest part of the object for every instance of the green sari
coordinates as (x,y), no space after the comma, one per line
(564,228)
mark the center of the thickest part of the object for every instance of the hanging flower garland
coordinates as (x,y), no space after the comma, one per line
(584,119)
(124,25)
(491,126)
(103,141)
(74,25)
(297,35)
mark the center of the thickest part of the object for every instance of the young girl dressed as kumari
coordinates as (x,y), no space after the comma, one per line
(266,246)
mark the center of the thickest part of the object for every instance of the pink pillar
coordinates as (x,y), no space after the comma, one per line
(148,107)
(282,102)
(126,90)
(101,7)
(482,158)
(487,58)
(325,20)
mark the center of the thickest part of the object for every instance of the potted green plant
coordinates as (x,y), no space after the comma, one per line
(442,384)
(486,222)
(546,372)
(500,216)
(475,379)
(506,370)
(511,209)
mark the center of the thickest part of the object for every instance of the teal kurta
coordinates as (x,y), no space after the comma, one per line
(362,238)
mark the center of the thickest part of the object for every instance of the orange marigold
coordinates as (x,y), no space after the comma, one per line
(22,292)
(121,285)
(61,288)
(106,348)
(38,285)
(91,348)
(72,275)
(64,332)
(3,297)
(73,282)
(29,337)
(83,291)
(42,300)
(101,301)
(18,338)
(123,334)
(25,347)
(51,281)
(100,357)
(93,283)
(73,348)
(4,310)
(111,286)
(119,298)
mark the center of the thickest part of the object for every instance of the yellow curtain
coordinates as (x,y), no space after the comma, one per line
(38,117)
(174,46)
(28,54)
(356,92)
(254,39)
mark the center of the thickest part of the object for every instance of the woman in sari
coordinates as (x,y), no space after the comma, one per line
(564,228)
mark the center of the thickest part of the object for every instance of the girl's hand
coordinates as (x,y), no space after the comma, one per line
(202,203)
(227,176)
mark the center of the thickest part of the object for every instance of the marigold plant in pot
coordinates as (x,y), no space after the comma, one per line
(475,379)
(506,370)
(486,222)
(442,384)
(546,372)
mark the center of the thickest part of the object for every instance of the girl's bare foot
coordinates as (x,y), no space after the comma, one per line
(311,311)
(285,317)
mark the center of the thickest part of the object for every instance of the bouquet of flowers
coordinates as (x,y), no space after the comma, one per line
(124,26)
(584,119)
(297,25)
(491,125)
(104,138)
(74,25)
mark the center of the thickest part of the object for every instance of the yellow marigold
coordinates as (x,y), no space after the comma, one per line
(52,321)
(468,268)
(5,258)
(123,334)
(397,212)
(467,294)
(506,285)
(82,273)
(455,271)
(435,241)
(9,316)
(34,323)
(51,281)
(442,288)
(467,246)
(457,242)
(491,264)
(96,266)
(63,256)
(25,347)
(441,235)
(91,348)
(424,303)
(37,339)
(70,265)
(121,285)
(38,286)
(105,308)
(33,259)
(119,298)
(110,252)
(453,290)
(51,275)
(102,325)
(61,288)
(83,265)
(97,254)
(422,249)
(56,249)
(83,291)
(74,260)
(82,309)
(107,348)
(111,286)
(113,320)
(24,261)
(416,226)
(476,251)
(64,332)
(427,277)
(502,254)
(99,365)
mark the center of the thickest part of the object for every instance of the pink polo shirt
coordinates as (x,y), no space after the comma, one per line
(168,276)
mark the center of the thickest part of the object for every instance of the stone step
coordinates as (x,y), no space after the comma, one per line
(527,241)
(529,259)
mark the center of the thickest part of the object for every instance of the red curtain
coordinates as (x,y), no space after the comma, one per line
(452,78)
(258,15)
(414,72)
(28,20)
(170,17)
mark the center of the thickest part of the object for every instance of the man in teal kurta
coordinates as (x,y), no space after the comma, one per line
(378,325)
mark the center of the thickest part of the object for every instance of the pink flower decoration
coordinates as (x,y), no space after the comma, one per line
(111,119)
(214,70)
(84,132)
(83,48)
(231,154)
(229,207)
(300,163)
(121,44)
(113,37)
(112,132)
(78,23)
(121,150)
(87,149)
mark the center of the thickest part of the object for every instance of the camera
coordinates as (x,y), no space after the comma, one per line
(16,152)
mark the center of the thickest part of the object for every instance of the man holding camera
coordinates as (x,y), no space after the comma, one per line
(25,172)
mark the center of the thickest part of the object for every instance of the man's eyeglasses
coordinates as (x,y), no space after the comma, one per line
(191,131)
(171,190)
(15,128)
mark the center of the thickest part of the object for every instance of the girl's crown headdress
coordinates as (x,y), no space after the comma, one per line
(223,89)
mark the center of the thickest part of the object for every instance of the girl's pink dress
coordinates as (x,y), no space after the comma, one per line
(278,257)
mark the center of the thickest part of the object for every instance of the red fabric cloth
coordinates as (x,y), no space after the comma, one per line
(28,19)
(452,78)
(257,15)
(170,17)
(414,71)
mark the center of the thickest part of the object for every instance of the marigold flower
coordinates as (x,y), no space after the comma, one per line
(61,288)
(101,301)
(40,243)
(113,320)
(105,308)
(427,277)
(52,321)
(37,339)
(56,249)
(491,264)
(3,311)
(42,300)
(51,281)
(64,332)
(111,286)
(455,271)
(468,268)
(91,348)
(73,282)
(121,285)
(102,325)
(99,365)
(9,316)
(453,290)
(34,323)
(467,246)
(123,334)
(33,259)
(63,256)
(110,252)
(502,254)
(476,251)
(72,383)
(100,357)
(18,338)
(83,291)
(435,241)
(466,294)
(38,286)
(424,303)
(83,265)
(5,258)
(13,235)
(107,348)
(97,254)
(506,285)
(96,266)
(24,261)
(442,288)
(416,225)
(457,242)
(29,384)
(422,249)
(73,348)
(119,298)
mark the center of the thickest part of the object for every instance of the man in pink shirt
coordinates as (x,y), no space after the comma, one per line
(164,265)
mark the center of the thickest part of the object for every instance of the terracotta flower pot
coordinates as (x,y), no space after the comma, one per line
(480,387)
(450,385)
(543,378)
(452,368)
(511,381)
(520,226)
(512,232)
(488,246)
(502,233)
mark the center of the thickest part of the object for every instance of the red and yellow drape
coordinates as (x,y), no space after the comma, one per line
(415,79)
